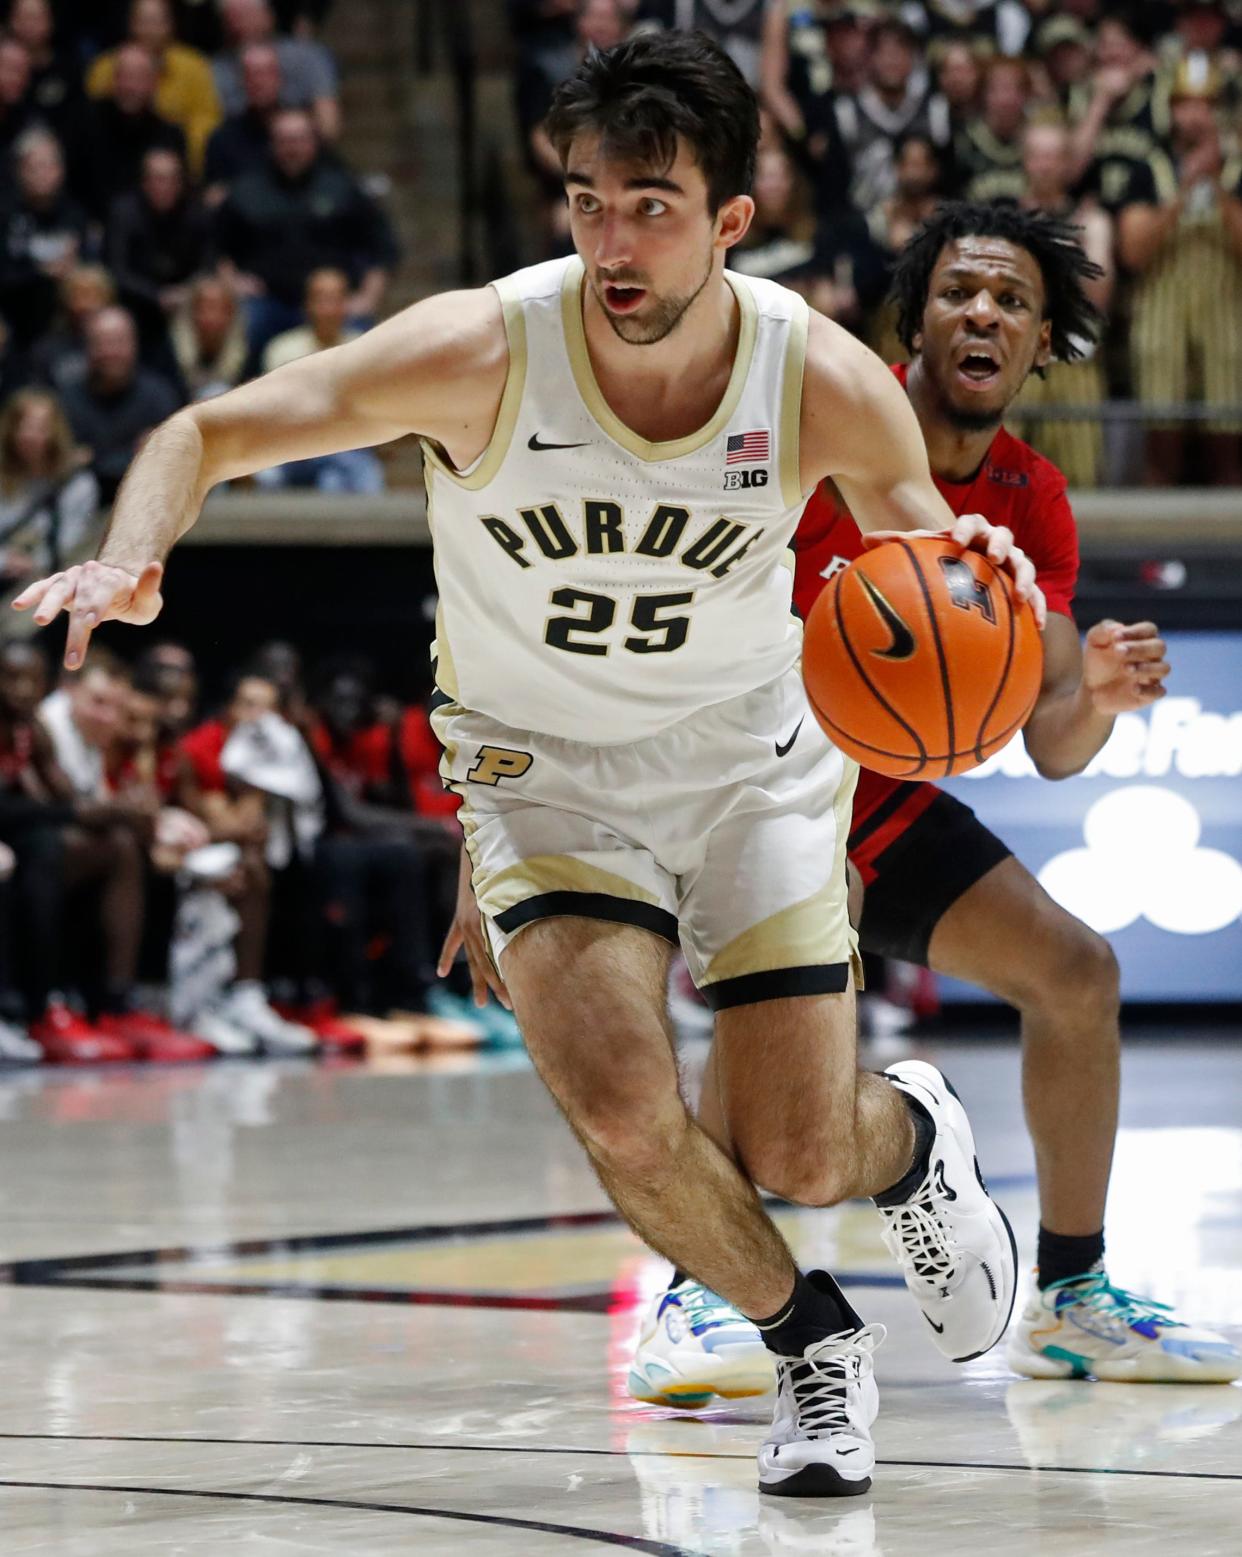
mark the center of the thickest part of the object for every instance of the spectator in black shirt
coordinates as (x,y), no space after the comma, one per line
(302,18)
(241,143)
(1126,116)
(959,76)
(15,112)
(119,403)
(59,358)
(101,24)
(896,98)
(1064,46)
(301,212)
(809,57)
(115,133)
(308,72)
(56,79)
(989,148)
(159,238)
(43,234)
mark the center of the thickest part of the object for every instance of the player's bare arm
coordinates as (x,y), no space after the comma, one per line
(438,370)
(1120,669)
(859,429)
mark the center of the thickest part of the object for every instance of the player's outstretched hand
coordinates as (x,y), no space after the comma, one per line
(1124,668)
(467,930)
(997,544)
(90,593)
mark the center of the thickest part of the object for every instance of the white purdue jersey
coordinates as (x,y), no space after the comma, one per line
(597,587)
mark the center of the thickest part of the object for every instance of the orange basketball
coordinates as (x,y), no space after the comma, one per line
(919,659)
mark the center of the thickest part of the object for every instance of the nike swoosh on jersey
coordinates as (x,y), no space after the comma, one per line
(536,443)
(781,750)
(902,646)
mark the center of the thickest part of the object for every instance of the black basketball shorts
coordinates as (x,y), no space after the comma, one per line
(921,874)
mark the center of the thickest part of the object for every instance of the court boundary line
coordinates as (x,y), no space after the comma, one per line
(84,1271)
(633,1543)
(658,1454)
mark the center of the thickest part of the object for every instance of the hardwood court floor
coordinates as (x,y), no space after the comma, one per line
(285,1309)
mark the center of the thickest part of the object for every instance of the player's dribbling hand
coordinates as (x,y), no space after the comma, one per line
(1124,668)
(467,930)
(997,544)
(90,593)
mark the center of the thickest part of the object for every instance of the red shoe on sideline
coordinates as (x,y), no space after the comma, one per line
(67,1039)
(155,1039)
(320,1016)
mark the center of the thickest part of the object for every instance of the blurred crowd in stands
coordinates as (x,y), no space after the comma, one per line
(1125,118)
(175,216)
(275,873)
(276,877)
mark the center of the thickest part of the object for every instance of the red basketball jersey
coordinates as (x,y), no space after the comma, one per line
(1015,487)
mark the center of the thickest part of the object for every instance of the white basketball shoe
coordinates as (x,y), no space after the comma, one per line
(952,1241)
(694,1345)
(826,1402)
(1088,1328)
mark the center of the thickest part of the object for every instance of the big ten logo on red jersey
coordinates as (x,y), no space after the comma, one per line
(543,531)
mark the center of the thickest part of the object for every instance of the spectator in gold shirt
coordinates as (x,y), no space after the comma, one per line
(186,90)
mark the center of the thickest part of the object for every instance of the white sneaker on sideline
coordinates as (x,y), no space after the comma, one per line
(17,1047)
(214,1027)
(245,1005)
(952,1241)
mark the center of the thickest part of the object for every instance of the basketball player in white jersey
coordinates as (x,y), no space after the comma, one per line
(618,448)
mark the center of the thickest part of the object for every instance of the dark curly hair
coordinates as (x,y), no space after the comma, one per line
(1052,243)
(641,95)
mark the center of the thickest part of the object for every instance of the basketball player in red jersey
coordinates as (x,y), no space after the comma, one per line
(988,294)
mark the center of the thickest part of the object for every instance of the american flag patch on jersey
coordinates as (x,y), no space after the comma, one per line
(745,448)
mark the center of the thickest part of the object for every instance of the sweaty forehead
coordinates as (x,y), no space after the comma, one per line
(989,259)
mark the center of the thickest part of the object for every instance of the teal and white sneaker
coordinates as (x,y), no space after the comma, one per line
(694,1345)
(1088,1328)
(497,1027)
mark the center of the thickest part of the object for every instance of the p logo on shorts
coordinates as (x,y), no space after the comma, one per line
(498,762)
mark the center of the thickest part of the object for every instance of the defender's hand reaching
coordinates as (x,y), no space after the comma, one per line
(90,593)
(996,543)
(1124,668)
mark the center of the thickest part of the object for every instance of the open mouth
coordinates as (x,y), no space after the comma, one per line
(622,299)
(978,367)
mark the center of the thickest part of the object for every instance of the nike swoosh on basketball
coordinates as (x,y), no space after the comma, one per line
(902,646)
(536,443)
(781,750)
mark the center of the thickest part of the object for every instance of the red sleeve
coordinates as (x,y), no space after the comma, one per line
(420,752)
(1051,542)
(370,754)
(202,747)
(826,540)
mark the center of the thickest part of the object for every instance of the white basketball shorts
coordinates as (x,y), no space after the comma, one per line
(726,832)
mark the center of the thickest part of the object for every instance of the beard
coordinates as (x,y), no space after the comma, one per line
(964,420)
(661,315)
